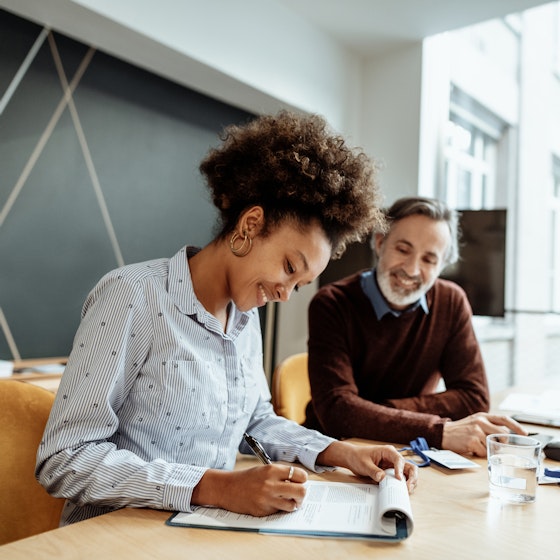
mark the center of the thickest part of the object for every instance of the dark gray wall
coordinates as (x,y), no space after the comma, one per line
(143,138)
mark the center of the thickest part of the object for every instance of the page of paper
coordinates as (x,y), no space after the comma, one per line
(546,404)
(328,507)
(450,459)
(393,497)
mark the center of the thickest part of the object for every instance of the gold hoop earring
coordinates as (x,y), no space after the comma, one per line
(245,247)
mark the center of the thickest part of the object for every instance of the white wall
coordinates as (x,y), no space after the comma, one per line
(256,55)
(391,118)
(253,54)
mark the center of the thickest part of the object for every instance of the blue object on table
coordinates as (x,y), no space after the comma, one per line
(417,446)
(554,473)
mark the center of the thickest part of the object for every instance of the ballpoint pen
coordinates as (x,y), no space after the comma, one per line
(257,449)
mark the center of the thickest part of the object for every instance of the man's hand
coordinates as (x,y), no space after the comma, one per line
(468,435)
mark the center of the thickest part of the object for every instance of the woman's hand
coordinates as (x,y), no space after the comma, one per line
(370,460)
(257,491)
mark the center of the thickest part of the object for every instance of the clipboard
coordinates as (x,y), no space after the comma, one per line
(330,510)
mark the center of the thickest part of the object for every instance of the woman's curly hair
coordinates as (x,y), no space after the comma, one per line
(295,168)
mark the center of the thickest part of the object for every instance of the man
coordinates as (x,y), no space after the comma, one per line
(381,340)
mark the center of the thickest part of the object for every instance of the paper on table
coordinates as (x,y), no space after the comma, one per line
(329,508)
(450,459)
(45,368)
(544,406)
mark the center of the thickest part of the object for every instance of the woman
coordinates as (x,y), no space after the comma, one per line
(165,374)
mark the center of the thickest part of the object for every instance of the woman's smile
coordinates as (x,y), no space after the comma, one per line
(262,297)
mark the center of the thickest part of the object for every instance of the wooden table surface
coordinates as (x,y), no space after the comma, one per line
(454,519)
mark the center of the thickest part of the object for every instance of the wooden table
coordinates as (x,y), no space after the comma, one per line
(29,371)
(453,515)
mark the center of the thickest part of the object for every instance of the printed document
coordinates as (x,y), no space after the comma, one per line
(344,510)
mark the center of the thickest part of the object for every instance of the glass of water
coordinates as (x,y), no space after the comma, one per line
(513,466)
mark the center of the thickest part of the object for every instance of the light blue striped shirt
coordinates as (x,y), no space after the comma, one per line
(155,393)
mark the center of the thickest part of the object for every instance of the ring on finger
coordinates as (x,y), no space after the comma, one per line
(290,474)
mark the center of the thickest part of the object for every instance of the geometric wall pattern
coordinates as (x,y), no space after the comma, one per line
(98,168)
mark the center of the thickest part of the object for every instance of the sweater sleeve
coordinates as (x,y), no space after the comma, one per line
(336,408)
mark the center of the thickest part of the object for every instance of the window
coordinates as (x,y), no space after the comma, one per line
(472,140)
(556,53)
(555,238)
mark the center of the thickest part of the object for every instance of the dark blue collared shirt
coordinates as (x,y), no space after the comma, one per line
(368,281)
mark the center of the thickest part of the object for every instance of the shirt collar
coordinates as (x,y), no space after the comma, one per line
(381,307)
(181,289)
(180,286)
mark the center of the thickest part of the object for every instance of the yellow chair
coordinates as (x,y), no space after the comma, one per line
(25,507)
(290,387)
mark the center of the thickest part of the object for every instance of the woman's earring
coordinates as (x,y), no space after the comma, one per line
(245,247)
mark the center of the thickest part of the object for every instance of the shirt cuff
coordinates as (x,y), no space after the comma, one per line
(308,454)
(177,494)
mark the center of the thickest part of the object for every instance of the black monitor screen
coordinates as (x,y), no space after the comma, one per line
(482,264)
(480,270)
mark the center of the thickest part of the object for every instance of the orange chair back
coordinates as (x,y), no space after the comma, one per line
(290,387)
(25,507)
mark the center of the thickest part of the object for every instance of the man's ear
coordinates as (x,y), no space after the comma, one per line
(379,239)
(252,221)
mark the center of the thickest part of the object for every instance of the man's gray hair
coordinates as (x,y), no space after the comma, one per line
(434,209)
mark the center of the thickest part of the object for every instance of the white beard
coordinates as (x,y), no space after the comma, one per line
(399,297)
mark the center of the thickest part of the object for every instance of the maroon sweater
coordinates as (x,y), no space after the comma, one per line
(375,379)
